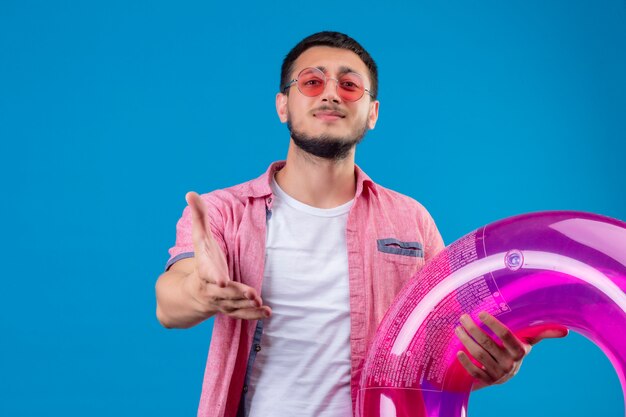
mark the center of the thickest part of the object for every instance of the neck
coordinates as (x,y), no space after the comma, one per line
(315,181)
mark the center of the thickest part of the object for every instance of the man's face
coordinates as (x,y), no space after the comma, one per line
(327,125)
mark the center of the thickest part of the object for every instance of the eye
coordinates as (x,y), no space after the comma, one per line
(312,82)
(350,83)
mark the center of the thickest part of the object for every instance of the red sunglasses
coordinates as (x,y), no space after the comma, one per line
(312,81)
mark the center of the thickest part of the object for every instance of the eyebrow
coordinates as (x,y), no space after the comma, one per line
(342,69)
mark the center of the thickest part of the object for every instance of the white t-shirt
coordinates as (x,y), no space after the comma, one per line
(303,367)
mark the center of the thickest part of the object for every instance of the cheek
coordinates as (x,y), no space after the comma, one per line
(363,119)
(291,116)
(294,112)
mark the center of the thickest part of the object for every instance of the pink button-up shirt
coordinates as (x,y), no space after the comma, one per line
(389,238)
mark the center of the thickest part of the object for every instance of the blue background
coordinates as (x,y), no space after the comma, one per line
(111,111)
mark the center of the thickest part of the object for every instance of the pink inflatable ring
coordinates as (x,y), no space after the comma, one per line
(530,271)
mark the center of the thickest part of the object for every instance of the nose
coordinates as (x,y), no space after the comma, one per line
(330,91)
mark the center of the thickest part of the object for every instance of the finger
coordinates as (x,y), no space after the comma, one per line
(548,331)
(233,291)
(472,369)
(230,292)
(246,292)
(489,364)
(229,306)
(199,230)
(252,313)
(483,339)
(516,348)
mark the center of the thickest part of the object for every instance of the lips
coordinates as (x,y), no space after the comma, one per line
(328,115)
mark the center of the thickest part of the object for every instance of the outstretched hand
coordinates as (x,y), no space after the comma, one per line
(210,284)
(494,363)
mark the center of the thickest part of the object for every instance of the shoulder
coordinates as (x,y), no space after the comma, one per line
(400,203)
(225,203)
(230,197)
(408,214)
(240,195)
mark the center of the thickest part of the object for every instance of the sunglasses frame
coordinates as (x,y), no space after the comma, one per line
(326,79)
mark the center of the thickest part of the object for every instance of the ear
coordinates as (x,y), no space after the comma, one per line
(373,114)
(281,106)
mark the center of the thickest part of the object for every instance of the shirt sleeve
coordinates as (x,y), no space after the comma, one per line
(183,248)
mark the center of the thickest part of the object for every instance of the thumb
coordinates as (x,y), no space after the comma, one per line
(210,261)
(199,221)
(536,334)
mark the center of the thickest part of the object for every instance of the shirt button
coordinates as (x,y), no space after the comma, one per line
(269,200)
(257,347)
(245,388)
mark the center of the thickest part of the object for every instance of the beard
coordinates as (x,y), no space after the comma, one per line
(326,146)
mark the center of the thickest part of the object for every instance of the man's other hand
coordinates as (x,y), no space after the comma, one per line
(491,362)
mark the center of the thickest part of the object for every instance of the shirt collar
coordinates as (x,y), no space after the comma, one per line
(260,187)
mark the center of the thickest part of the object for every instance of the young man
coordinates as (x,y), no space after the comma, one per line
(311,236)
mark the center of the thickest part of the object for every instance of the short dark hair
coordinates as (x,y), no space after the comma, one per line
(334,40)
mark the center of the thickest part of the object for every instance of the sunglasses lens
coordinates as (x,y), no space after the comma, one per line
(350,87)
(311,82)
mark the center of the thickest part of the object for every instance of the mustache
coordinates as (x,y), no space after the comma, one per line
(326,107)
